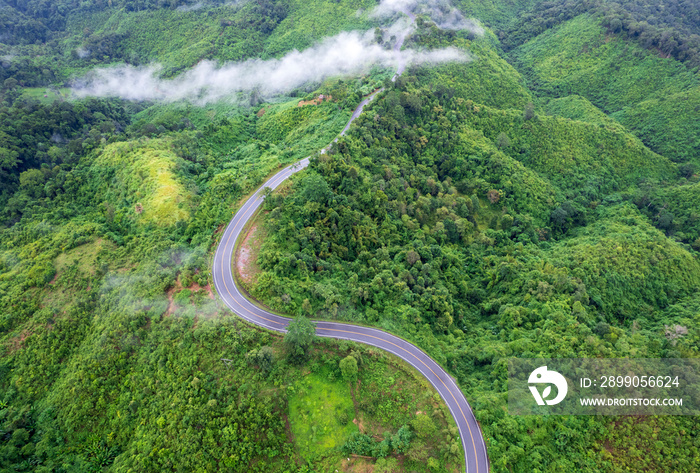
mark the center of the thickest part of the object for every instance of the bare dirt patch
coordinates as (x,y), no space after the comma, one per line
(17,342)
(358,464)
(321,98)
(288,429)
(194,287)
(360,425)
(171,294)
(247,255)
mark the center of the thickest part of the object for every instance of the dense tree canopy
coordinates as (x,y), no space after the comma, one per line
(541,201)
(672,27)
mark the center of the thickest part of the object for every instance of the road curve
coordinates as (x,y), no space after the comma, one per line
(476,459)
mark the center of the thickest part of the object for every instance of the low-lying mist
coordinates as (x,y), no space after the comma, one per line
(348,53)
(442,12)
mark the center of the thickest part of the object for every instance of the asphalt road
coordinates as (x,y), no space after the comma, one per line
(476,459)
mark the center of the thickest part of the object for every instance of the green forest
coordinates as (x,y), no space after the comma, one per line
(540,200)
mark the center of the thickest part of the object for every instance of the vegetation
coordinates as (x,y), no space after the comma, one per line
(653,96)
(299,337)
(540,200)
(482,231)
(112,339)
(348,367)
(670,28)
(47,45)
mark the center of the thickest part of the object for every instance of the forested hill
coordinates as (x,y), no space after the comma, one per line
(540,197)
(669,27)
(36,21)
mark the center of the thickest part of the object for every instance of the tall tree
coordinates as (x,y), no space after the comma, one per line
(348,366)
(301,333)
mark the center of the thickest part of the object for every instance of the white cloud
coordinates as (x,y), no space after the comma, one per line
(82,52)
(186,8)
(441,12)
(348,53)
(6,60)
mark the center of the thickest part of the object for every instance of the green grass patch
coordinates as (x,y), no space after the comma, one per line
(317,412)
(84,256)
(143,176)
(46,95)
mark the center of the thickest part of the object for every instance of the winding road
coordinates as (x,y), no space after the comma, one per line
(476,459)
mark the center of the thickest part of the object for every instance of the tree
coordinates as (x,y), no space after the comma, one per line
(8,159)
(687,170)
(315,189)
(502,140)
(664,220)
(424,426)
(32,181)
(264,358)
(401,440)
(475,202)
(559,217)
(412,257)
(433,464)
(696,244)
(255,97)
(529,112)
(418,451)
(452,450)
(378,36)
(306,306)
(301,333)
(348,366)
(382,449)
(10,83)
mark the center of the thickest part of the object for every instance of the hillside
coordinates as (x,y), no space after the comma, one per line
(653,96)
(527,189)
